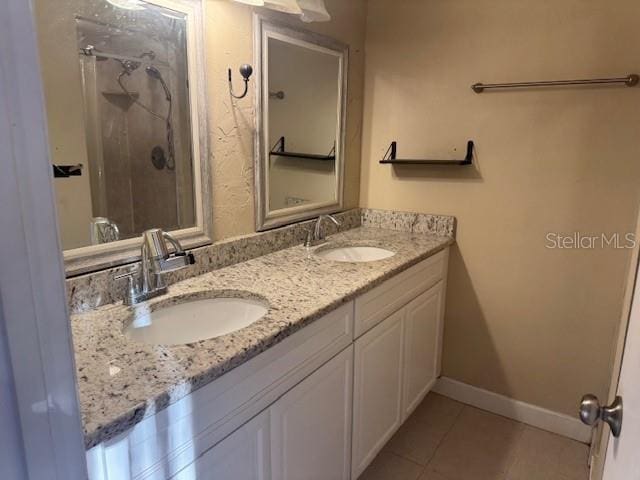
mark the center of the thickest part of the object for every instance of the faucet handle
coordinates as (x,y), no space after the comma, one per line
(178,250)
(177,261)
(133,288)
(336,222)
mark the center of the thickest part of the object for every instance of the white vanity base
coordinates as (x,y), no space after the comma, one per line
(320,404)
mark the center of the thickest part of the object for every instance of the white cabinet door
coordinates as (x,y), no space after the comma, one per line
(422,346)
(243,455)
(377,389)
(311,425)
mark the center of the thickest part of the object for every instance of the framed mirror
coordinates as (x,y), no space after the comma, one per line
(124,88)
(300,134)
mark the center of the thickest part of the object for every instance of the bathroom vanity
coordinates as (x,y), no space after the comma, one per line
(257,357)
(313,389)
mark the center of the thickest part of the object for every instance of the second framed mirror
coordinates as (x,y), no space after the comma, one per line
(301,105)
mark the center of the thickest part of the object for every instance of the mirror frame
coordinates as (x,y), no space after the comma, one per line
(265,28)
(107,255)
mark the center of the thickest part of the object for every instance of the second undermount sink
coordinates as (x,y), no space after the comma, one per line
(353,253)
(195,320)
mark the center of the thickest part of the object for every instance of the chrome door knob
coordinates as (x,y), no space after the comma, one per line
(591,412)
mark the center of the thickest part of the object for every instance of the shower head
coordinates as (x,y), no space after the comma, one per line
(153,72)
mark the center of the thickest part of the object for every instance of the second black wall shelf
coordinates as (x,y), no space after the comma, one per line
(391,157)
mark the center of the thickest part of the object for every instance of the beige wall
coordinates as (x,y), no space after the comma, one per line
(229,43)
(59,67)
(522,320)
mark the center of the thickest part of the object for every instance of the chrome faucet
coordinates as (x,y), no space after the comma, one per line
(147,281)
(316,236)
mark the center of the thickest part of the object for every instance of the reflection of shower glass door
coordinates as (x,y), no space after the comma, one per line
(107,129)
(94,136)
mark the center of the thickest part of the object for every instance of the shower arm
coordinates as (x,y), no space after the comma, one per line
(91,51)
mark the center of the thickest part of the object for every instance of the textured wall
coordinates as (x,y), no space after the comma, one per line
(522,320)
(63,94)
(229,43)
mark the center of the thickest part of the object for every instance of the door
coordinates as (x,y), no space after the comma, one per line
(243,455)
(422,345)
(311,425)
(622,459)
(377,393)
(38,376)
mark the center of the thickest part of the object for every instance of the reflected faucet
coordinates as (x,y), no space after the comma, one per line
(316,236)
(147,281)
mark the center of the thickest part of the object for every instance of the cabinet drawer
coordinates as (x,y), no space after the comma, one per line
(161,445)
(377,304)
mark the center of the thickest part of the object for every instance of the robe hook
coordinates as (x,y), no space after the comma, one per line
(246,71)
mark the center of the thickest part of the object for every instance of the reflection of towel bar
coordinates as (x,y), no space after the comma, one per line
(66,171)
(279,151)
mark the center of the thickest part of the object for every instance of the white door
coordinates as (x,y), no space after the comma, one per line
(243,455)
(311,425)
(422,345)
(38,377)
(622,460)
(377,393)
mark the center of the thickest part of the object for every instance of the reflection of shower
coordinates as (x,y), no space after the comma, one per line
(153,72)
(129,66)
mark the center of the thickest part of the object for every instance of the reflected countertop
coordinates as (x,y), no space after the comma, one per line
(121,381)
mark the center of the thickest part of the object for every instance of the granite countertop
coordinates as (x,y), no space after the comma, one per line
(121,381)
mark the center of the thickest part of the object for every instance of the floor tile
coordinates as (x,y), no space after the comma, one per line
(431,475)
(480,446)
(423,431)
(542,455)
(388,466)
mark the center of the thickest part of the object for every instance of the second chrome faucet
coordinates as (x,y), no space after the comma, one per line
(316,236)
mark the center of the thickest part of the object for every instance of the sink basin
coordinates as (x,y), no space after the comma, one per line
(195,320)
(354,253)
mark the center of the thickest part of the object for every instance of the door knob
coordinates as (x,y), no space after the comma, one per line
(591,412)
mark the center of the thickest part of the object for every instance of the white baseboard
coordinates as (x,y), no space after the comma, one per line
(538,417)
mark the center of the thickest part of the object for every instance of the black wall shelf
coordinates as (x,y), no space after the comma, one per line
(279,151)
(66,171)
(391,158)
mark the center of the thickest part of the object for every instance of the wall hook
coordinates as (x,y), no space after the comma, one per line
(246,71)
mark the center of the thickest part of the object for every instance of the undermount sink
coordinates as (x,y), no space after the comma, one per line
(195,320)
(353,253)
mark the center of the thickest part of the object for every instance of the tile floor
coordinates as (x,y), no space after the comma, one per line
(446,440)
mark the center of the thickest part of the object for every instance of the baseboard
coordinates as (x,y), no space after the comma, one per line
(538,417)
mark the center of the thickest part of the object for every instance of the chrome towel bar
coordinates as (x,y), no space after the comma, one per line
(630,81)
